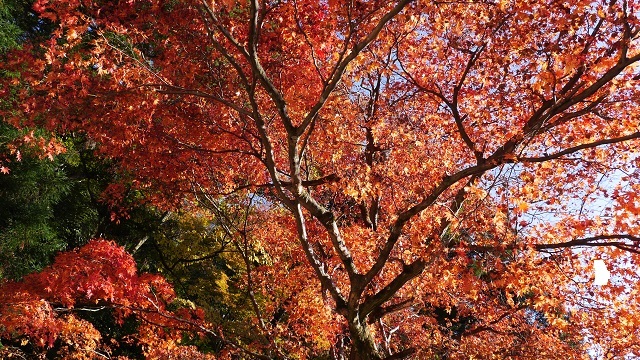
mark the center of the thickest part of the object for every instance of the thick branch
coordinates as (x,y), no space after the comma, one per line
(408,273)
(488,326)
(594,241)
(597,241)
(616,70)
(404,217)
(259,71)
(500,156)
(577,148)
(384,310)
(302,196)
(318,266)
(454,105)
(328,221)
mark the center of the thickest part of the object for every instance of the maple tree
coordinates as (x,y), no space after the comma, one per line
(45,309)
(434,178)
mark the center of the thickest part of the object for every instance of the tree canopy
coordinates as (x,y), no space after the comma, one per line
(404,179)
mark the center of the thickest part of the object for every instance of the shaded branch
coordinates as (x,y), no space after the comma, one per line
(488,326)
(408,273)
(381,311)
(405,216)
(260,73)
(593,241)
(306,183)
(209,256)
(596,241)
(453,106)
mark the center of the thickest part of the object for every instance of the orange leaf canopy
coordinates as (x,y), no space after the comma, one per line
(436,162)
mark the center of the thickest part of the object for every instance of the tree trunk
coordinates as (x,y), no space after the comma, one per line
(363,345)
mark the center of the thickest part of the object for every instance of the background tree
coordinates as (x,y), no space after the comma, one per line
(99,279)
(20,23)
(28,193)
(437,162)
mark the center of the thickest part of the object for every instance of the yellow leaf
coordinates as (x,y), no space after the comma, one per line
(522,205)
